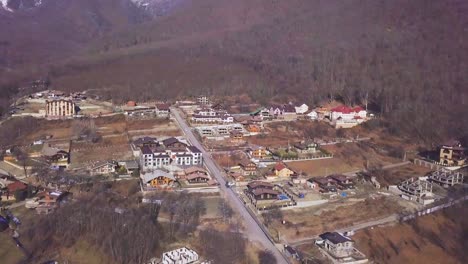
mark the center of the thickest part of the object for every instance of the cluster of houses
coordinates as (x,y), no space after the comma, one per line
(47,201)
(9,186)
(132,109)
(167,179)
(340,117)
(332,183)
(170,163)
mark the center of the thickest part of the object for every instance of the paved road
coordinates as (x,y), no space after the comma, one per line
(253,231)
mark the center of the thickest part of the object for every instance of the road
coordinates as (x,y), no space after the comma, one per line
(253,230)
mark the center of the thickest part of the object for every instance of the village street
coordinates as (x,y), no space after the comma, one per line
(253,230)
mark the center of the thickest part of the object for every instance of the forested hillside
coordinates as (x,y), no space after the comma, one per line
(409,58)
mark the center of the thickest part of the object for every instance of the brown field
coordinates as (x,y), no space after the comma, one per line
(323,167)
(436,238)
(331,216)
(396,175)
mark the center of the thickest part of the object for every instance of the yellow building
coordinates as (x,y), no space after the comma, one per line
(280,170)
(157,178)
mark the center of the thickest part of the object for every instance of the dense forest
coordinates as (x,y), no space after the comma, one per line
(407,59)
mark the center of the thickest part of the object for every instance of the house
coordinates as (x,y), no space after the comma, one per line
(325,184)
(302,109)
(312,115)
(197,178)
(196,175)
(286,112)
(248,168)
(259,184)
(56,157)
(347,113)
(180,256)
(157,178)
(452,153)
(236,135)
(163,110)
(264,194)
(103,168)
(173,144)
(306,147)
(236,176)
(343,181)
(336,244)
(262,190)
(258,152)
(262,113)
(281,170)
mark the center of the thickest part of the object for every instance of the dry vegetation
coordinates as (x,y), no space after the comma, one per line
(314,221)
(431,239)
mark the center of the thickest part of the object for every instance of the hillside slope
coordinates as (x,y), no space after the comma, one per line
(431,239)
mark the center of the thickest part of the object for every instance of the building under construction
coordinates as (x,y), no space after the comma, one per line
(418,190)
(446,178)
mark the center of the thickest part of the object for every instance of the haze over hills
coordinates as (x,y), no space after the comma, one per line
(398,53)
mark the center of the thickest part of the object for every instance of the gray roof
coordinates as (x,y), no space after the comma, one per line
(194,149)
(335,237)
(146,150)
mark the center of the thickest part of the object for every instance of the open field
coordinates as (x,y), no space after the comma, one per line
(396,175)
(333,215)
(9,253)
(430,239)
(323,167)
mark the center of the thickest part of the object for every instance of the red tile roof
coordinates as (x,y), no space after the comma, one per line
(16,186)
(280,166)
(347,110)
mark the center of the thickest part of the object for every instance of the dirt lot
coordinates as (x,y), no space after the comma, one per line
(436,238)
(396,175)
(227,160)
(331,216)
(315,168)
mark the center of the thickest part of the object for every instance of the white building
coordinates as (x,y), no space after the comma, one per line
(312,115)
(160,158)
(208,115)
(347,113)
(60,108)
(302,109)
(180,256)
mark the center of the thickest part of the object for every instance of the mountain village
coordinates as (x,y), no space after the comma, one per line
(267,158)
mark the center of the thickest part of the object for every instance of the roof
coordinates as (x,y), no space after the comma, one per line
(194,149)
(339,177)
(17,185)
(194,169)
(144,140)
(146,150)
(197,175)
(170,141)
(260,191)
(162,107)
(280,166)
(245,163)
(347,110)
(149,176)
(102,163)
(131,164)
(335,237)
(259,184)
(322,180)
(49,151)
